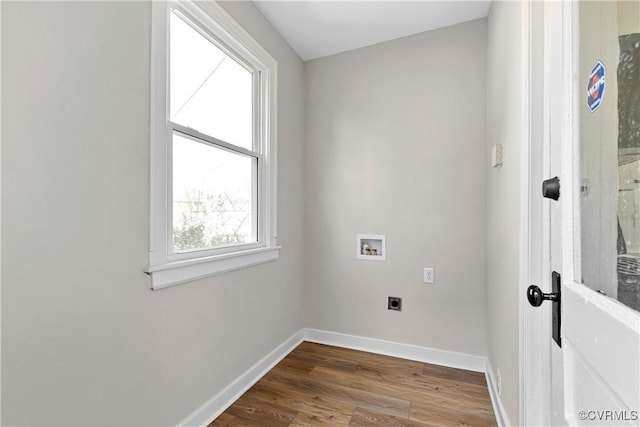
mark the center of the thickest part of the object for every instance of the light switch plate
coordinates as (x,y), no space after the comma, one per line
(496,156)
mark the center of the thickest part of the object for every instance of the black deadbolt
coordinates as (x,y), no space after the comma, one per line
(551,188)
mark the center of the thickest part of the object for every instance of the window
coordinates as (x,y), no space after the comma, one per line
(213,182)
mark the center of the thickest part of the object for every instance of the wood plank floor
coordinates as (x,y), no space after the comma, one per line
(320,385)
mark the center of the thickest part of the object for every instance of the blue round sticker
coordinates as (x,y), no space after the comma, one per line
(595,86)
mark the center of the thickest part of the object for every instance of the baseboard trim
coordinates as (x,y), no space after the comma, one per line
(498,409)
(396,349)
(219,403)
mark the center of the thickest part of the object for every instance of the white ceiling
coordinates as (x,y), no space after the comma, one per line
(321,28)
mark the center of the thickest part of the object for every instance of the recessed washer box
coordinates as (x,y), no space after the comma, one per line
(371,247)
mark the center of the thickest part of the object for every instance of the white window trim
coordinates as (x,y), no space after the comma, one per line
(167,269)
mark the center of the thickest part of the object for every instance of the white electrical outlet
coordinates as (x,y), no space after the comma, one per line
(429,275)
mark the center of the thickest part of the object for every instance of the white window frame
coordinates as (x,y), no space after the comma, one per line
(166,268)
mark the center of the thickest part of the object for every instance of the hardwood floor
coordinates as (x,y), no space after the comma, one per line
(324,386)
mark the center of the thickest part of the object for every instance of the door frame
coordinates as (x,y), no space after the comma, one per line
(535,324)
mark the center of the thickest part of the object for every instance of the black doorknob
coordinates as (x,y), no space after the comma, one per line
(536,297)
(551,188)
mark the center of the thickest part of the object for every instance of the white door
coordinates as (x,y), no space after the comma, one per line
(592,128)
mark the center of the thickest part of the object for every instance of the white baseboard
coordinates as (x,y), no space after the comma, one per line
(220,402)
(498,409)
(396,349)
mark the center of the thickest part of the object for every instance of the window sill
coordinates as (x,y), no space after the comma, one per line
(175,273)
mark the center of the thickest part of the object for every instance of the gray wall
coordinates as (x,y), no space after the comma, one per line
(84,342)
(505,51)
(395,146)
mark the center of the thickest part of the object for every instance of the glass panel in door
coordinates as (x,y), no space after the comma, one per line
(609,116)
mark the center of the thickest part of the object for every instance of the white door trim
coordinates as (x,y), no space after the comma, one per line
(535,323)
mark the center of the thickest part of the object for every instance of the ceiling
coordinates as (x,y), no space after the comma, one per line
(320,28)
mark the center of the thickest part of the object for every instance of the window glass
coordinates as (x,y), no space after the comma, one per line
(609,108)
(213,196)
(210,91)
